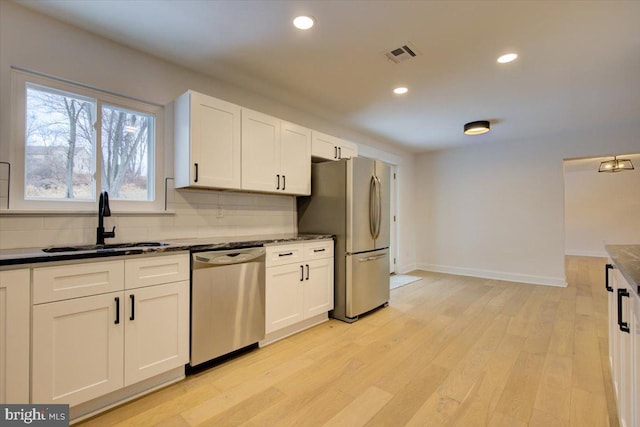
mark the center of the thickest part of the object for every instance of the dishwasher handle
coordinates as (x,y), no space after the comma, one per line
(218,258)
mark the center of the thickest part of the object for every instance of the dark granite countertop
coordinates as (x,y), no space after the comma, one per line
(627,259)
(16,258)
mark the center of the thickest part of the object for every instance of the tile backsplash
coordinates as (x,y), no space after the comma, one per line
(197,214)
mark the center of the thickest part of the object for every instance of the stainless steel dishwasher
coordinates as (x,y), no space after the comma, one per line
(227,302)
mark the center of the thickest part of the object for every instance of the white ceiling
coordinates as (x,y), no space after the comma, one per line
(579,64)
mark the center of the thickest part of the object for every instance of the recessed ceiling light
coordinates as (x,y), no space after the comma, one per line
(304,22)
(400,90)
(476,128)
(507,57)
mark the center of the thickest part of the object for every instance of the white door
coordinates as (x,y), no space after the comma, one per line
(14,336)
(393,226)
(318,287)
(283,296)
(157,330)
(215,142)
(295,159)
(260,152)
(77,349)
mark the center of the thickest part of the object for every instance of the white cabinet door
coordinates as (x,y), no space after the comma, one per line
(623,353)
(324,146)
(260,152)
(77,349)
(295,159)
(283,296)
(318,287)
(207,142)
(157,330)
(14,336)
(612,316)
(331,148)
(347,150)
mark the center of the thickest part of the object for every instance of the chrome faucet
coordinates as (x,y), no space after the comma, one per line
(103,210)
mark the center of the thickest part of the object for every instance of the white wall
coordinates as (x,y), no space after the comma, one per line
(497,210)
(601,208)
(35,42)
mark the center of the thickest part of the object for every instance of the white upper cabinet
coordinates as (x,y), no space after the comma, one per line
(260,151)
(276,155)
(295,158)
(207,142)
(332,148)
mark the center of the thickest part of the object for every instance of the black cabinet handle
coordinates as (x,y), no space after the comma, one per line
(286,254)
(195,179)
(624,326)
(319,250)
(284,182)
(133,307)
(307,265)
(335,152)
(278,186)
(301,273)
(117,311)
(339,152)
(606,277)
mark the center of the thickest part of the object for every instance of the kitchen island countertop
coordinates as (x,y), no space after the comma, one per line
(627,259)
(18,258)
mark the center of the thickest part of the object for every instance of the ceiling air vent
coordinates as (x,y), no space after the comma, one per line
(402,53)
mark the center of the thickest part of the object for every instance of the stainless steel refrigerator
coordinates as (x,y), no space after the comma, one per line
(350,199)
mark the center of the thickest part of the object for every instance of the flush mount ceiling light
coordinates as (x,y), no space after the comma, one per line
(507,57)
(304,22)
(400,90)
(477,128)
(616,165)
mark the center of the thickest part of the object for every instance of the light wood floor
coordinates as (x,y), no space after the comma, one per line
(448,350)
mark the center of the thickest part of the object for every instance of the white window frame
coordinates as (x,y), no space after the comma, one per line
(19,202)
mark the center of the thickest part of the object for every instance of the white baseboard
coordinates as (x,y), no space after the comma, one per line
(496,275)
(406,268)
(597,254)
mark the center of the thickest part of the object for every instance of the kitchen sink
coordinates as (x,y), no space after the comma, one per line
(78,248)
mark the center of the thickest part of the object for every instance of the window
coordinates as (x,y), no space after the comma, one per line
(76,142)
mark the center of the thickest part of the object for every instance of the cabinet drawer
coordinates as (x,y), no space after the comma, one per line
(140,272)
(77,280)
(284,254)
(318,249)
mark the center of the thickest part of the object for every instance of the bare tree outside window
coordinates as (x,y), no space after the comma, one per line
(59,145)
(60,148)
(125,153)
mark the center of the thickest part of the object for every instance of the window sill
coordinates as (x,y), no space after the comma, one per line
(27,213)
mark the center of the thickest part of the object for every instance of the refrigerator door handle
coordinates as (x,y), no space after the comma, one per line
(371,258)
(379,206)
(372,207)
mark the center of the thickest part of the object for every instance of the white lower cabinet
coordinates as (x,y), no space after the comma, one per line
(77,349)
(624,347)
(299,283)
(157,330)
(87,347)
(14,336)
